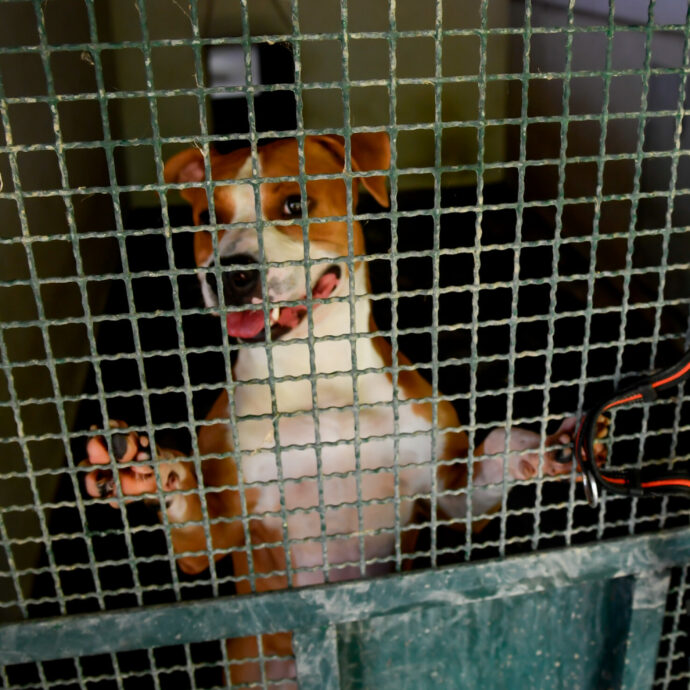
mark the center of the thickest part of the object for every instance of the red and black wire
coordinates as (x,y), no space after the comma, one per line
(629,482)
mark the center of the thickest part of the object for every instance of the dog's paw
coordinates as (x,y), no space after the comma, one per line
(132,452)
(559,450)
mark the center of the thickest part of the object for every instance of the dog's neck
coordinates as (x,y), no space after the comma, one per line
(292,359)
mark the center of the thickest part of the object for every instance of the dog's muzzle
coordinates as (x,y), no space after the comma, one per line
(242,287)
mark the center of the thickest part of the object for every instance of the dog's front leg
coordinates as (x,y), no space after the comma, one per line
(269,566)
(137,479)
(519,460)
(258,567)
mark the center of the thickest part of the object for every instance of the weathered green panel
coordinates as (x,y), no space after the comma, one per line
(648,607)
(316,651)
(573,637)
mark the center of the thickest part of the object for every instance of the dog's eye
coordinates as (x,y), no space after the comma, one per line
(204,218)
(292,206)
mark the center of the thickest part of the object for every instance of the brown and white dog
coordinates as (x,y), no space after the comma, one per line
(340,472)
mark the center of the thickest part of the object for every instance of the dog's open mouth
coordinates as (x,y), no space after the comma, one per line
(249,324)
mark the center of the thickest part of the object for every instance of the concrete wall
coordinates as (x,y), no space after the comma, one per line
(45,217)
(322,61)
(626,94)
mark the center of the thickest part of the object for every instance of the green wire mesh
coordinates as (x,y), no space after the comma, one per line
(534,255)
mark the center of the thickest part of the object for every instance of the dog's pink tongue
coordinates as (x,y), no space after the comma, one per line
(289,317)
(245,324)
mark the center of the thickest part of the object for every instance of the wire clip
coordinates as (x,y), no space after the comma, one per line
(629,482)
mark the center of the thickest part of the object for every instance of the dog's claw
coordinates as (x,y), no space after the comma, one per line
(105,483)
(563,456)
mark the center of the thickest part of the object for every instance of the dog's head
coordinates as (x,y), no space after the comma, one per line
(283,241)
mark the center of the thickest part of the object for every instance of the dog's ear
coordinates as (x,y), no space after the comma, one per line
(186,166)
(368,151)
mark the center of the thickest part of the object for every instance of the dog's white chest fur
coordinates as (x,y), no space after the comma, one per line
(330,457)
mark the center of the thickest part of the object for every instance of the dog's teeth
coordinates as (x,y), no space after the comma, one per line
(275,314)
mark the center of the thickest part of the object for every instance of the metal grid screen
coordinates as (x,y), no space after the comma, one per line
(534,255)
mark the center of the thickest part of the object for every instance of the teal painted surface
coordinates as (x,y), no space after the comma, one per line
(646,623)
(316,653)
(310,607)
(572,637)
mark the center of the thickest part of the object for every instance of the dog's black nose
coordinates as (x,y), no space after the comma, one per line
(239,284)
